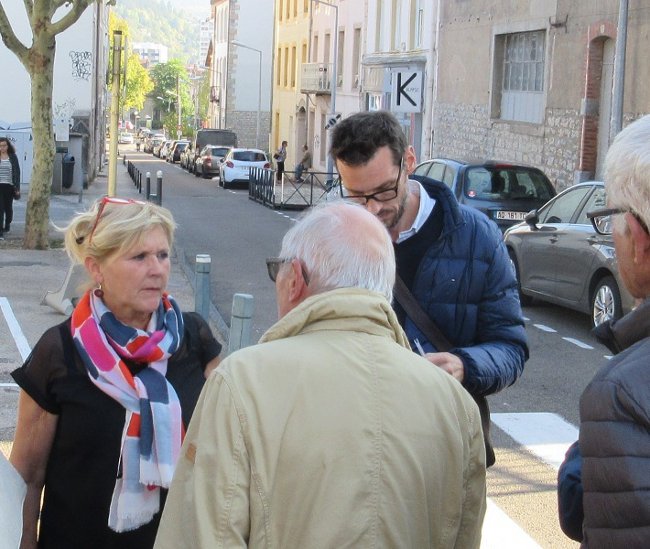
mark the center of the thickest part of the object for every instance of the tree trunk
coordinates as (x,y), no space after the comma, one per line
(37,220)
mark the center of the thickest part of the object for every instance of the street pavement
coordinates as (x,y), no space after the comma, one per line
(521,487)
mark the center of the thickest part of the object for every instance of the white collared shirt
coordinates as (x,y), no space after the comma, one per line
(426,207)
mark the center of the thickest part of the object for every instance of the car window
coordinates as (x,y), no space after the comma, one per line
(449,176)
(596,200)
(422,169)
(562,209)
(436,171)
(249,156)
(220,151)
(507,182)
(181,146)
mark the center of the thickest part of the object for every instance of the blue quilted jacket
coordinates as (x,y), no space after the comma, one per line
(466,284)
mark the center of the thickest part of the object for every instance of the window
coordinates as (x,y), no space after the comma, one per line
(522,76)
(356,46)
(562,209)
(596,201)
(340,58)
(326,49)
(286,67)
(278,67)
(293,66)
(314,49)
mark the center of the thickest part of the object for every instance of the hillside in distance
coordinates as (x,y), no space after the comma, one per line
(172,23)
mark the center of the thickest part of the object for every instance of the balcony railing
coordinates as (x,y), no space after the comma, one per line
(316,78)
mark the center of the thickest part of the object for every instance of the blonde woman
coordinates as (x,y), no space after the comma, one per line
(106,395)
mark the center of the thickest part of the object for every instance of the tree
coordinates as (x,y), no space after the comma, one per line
(165,77)
(138,83)
(47,19)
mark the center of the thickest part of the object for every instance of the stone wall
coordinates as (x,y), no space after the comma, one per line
(244,124)
(466,132)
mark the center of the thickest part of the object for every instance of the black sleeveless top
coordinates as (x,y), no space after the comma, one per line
(83,461)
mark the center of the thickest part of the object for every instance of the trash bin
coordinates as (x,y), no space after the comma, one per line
(67,170)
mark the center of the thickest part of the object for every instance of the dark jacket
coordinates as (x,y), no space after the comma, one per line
(15,171)
(615,439)
(466,284)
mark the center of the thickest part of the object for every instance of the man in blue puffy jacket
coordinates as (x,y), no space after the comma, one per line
(451,257)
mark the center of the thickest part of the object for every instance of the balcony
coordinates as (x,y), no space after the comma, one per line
(316,78)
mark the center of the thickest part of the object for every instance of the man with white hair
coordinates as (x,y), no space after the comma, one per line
(330,432)
(614,493)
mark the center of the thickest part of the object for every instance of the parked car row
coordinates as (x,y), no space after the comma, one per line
(556,253)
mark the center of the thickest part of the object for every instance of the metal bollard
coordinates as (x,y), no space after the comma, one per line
(139,185)
(147,186)
(124,160)
(159,187)
(202,287)
(241,322)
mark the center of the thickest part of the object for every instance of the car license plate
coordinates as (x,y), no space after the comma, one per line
(511,216)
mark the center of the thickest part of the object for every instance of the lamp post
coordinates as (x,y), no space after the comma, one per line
(259,89)
(335,76)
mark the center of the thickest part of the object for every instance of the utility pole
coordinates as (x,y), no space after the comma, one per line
(115,107)
(179,126)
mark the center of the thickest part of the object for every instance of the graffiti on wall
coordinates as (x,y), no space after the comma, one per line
(81,64)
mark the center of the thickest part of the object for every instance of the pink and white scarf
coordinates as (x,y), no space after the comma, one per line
(153,431)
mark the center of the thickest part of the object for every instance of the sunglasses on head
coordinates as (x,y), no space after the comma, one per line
(106,200)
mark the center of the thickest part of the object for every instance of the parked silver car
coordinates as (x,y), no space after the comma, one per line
(560,258)
(208,162)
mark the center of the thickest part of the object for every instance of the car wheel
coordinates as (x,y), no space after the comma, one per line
(196,173)
(606,302)
(523,298)
(204,175)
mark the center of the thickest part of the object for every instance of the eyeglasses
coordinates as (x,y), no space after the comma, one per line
(106,200)
(601,219)
(380,196)
(273,267)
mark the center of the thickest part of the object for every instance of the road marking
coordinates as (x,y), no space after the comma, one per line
(501,531)
(545,328)
(546,435)
(16,332)
(577,342)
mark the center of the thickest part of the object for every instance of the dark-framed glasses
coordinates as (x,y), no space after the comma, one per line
(106,200)
(273,265)
(380,196)
(601,219)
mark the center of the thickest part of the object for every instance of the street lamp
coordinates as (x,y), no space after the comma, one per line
(259,90)
(335,76)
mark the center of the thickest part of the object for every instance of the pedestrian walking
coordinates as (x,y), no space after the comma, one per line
(280,156)
(9,184)
(106,395)
(603,484)
(456,292)
(330,432)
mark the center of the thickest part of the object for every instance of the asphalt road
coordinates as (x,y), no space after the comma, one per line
(239,234)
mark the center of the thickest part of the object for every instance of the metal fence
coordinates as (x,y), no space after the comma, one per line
(289,192)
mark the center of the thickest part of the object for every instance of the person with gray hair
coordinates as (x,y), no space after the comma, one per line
(330,432)
(604,484)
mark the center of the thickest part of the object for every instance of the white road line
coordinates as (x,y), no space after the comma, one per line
(17,333)
(545,328)
(501,531)
(578,343)
(545,435)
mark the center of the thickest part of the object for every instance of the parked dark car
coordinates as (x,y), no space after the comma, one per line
(175,150)
(558,256)
(209,159)
(504,191)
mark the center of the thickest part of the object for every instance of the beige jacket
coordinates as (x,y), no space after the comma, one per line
(330,433)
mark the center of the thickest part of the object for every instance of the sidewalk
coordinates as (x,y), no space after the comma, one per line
(26,275)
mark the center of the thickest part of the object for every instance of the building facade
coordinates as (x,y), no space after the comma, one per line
(150,54)
(241,57)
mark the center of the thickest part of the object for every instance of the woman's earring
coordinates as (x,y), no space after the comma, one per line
(98,291)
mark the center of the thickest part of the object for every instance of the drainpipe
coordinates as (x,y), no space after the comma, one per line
(619,72)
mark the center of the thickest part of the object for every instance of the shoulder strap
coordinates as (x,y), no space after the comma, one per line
(421,319)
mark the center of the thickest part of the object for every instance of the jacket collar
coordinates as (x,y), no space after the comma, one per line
(626,331)
(452,215)
(344,309)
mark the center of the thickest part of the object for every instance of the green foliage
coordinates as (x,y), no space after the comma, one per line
(138,83)
(161,22)
(166,77)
